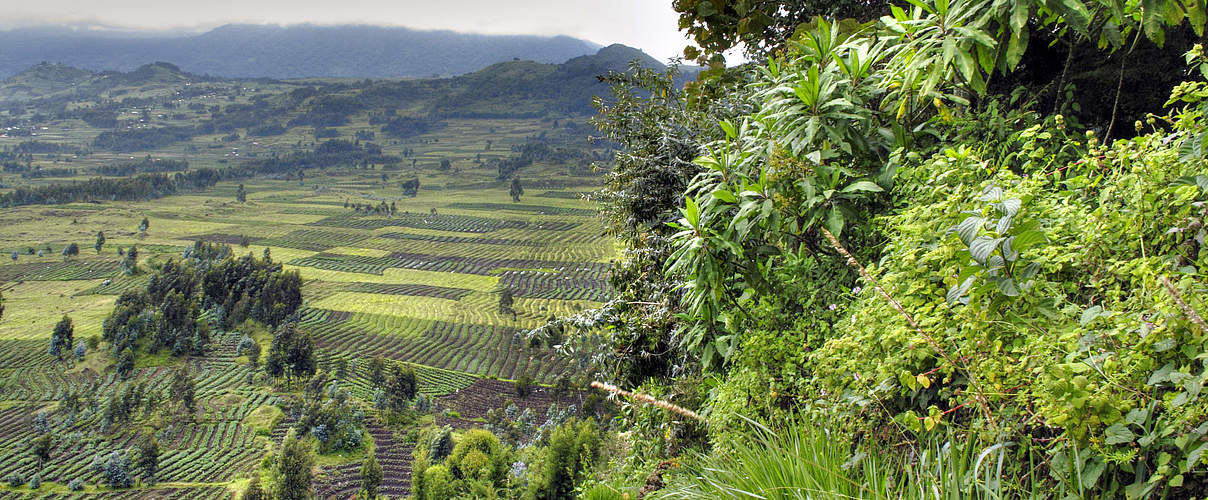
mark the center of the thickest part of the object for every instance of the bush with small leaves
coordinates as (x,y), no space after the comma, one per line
(35,482)
(16,480)
(75,485)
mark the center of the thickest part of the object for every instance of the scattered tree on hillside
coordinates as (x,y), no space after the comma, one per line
(411,187)
(13,256)
(148,456)
(129,263)
(144,225)
(241,194)
(292,354)
(293,470)
(100,241)
(71,250)
(184,389)
(1,305)
(40,448)
(506,302)
(371,476)
(377,371)
(516,189)
(117,471)
(445,164)
(61,339)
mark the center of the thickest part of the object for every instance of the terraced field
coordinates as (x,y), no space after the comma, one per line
(421,285)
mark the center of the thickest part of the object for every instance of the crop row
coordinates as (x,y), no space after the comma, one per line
(540,209)
(315,240)
(544,285)
(59,270)
(447,263)
(204,492)
(226,239)
(443,222)
(441,238)
(118,285)
(486,350)
(565,195)
(344,481)
(410,289)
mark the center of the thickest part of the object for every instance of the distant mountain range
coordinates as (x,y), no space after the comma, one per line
(513,88)
(253,51)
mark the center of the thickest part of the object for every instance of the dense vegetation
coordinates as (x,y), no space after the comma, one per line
(857,267)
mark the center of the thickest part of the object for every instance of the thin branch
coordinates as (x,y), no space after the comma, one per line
(1187,310)
(893,303)
(650,400)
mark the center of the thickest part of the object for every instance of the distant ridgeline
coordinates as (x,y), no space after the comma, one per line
(243,51)
(155,183)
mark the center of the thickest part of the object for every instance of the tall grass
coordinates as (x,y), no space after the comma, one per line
(800,462)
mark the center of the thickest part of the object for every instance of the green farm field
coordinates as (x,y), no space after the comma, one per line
(411,275)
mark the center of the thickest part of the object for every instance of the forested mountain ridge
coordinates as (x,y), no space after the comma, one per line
(252,51)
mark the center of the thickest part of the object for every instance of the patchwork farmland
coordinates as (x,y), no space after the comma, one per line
(422,286)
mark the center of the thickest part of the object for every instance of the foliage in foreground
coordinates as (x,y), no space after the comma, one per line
(882,249)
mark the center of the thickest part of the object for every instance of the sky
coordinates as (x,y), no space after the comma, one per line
(650,25)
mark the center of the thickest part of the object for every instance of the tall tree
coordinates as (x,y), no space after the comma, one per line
(62,337)
(1,305)
(241,194)
(71,250)
(184,389)
(144,225)
(148,455)
(100,241)
(371,476)
(516,189)
(377,371)
(41,448)
(293,470)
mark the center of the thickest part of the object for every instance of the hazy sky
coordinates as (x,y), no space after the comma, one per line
(647,24)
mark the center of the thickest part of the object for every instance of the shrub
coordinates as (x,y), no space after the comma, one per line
(75,485)
(16,480)
(478,455)
(524,385)
(573,449)
(438,483)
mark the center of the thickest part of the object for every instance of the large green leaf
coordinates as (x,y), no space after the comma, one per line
(1118,434)
(983,247)
(968,228)
(1074,12)
(863,186)
(1152,18)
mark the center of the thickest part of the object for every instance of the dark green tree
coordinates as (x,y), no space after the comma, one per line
(400,388)
(184,389)
(148,456)
(40,448)
(62,338)
(241,194)
(291,354)
(371,476)
(516,189)
(144,225)
(760,27)
(71,250)
(1,305)
(100,241)
(506,302)
(377,371)
(293,470)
